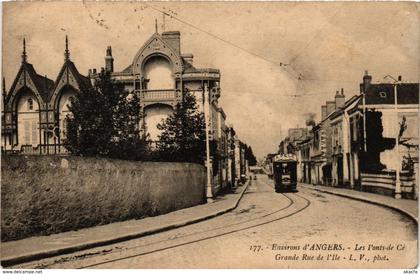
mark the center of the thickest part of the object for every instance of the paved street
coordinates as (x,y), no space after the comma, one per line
(263,221)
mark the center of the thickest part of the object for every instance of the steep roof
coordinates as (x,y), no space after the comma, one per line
(81,80)
(188,67)
(128,69)
(43,84)
(341,109)
(383,93)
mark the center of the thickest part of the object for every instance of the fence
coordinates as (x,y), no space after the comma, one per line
(41,149)
(384,183)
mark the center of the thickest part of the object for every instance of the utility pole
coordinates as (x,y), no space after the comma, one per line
(206,108)
(397,148)
(397,141)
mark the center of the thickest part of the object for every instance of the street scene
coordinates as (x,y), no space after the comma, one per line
(262,215)
(165,135)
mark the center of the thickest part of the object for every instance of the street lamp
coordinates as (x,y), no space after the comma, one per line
(397,168)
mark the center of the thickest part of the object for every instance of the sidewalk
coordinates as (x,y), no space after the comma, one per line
(33,248)
(404,206)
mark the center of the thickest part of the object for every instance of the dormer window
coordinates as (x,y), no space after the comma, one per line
(30,104)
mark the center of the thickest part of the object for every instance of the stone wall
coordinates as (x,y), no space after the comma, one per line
(41,195)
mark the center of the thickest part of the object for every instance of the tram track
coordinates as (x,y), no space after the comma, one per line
(261,220)
(264,222)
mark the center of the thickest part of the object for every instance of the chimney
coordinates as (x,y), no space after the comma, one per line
(330,107)
(323,112)
(366,81)
(340,99)
(109,61)
(188,57)
(4,94)
(172,38)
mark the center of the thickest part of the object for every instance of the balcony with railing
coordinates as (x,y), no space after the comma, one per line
(158,95)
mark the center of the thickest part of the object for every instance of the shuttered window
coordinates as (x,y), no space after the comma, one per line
(27,130)
(34,132)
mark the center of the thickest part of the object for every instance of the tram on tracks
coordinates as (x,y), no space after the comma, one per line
(284,172)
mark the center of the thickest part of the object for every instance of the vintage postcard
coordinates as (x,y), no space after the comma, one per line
(244,135)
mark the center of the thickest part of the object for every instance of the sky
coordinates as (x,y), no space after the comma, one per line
(328,44)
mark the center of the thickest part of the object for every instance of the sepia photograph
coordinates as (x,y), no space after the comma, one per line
(209,135)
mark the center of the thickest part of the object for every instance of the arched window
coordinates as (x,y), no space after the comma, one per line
(30,104)
(158,74)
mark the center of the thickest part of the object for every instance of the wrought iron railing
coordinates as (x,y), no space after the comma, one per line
(159,94)
(42,149)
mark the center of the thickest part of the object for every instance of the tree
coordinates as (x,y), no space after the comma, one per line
(88,131)
(104,121)
(183,133)
(249,155)
(370,160)
(405,141)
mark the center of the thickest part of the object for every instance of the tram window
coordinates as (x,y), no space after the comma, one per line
(286,169)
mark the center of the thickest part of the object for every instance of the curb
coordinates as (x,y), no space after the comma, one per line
(51,253)
(400,210)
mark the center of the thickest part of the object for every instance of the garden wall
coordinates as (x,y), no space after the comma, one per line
(41,195)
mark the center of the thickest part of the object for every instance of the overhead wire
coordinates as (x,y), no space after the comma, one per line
(312,39)
(221,39)
(296,75)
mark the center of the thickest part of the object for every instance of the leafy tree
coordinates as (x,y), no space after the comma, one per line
(405,141)
(88,131)
(183,133)
(104,122)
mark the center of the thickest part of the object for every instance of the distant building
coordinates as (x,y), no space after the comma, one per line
(344,160)
(231,168)
(303,155)
(354,144)
(320,148)
(288,145)
(222,150)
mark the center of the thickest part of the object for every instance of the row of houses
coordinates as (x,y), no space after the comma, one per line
(368,142)
(35,107)
(229,161)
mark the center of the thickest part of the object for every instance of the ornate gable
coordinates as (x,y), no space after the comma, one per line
(68,76)
(24,78)
(156,46)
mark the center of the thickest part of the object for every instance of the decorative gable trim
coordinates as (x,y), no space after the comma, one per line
(66,77)
(23,79)
(156,46)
